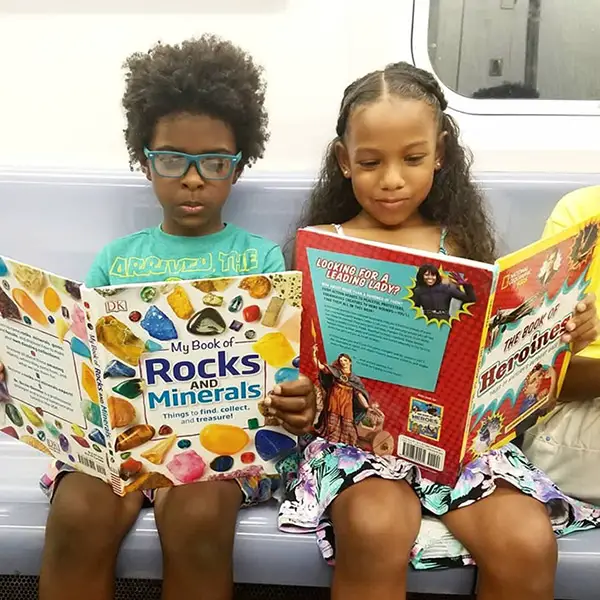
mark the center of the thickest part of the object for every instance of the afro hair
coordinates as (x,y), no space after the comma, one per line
(207,76)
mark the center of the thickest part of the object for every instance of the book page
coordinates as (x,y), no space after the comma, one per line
(54,404)
(524,359)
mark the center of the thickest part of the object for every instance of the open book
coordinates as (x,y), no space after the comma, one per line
(433,358)
(152,385)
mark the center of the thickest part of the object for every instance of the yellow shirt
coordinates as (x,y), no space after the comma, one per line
(575,207)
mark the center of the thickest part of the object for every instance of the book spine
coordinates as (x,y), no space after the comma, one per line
(99,362)
(484,333)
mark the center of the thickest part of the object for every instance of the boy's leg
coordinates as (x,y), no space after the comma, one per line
(510,537)
(376,522)
(85,527)
(196,523)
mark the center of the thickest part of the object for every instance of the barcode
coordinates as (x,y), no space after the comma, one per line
(90,464)
(421,453)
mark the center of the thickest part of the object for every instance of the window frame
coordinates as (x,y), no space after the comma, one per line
(485,106)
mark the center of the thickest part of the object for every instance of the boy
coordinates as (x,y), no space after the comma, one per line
(195,119)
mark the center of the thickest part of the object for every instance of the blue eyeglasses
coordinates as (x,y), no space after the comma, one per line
(168,163)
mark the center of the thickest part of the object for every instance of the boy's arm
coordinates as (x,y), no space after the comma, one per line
(274,261)
(98,274)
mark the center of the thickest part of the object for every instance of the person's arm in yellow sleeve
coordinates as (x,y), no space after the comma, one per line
(582,380)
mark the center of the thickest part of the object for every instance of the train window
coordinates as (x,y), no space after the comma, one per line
(513,49)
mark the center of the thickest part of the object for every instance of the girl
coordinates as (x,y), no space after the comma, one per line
(396,173)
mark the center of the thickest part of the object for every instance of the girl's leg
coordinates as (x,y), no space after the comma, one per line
(376,523)
(510,537)
(86,525)
(196,523)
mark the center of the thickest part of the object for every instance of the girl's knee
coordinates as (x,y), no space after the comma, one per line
(198,516)
(377,518)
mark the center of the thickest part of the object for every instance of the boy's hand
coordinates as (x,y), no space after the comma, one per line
(584,327)
(293,404)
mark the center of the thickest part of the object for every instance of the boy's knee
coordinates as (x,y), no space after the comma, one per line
(199,516)
(86,514)
(380,524)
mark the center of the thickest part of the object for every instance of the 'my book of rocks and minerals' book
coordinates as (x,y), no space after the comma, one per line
(148,386)
(433,358)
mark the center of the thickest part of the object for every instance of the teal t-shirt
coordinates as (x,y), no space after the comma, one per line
(152,255)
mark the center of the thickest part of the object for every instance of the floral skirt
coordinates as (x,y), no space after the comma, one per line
(317,477)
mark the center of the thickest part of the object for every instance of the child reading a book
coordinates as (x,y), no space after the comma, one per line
(195,118)
(397,173)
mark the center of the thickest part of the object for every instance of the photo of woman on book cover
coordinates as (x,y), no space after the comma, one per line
(345,400)
(434,297)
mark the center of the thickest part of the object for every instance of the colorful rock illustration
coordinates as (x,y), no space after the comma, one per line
(78,326)
(180,303)
(91,412)
(257,286)
(133,437)
(272,444)
(62,328)
(286,374)
(158,325)
(32,279)
(187,466)
(152,346)
(115,368)
(208,321)
(88,383)
(10,431)
(222,464)
(35,443)
(3,269)
(8,309)
(4,395)
(27,305)
(211,299)
(52,430)
(73,289)
(223,439)
(51,300)
(236,304)
(132,388)
(130,468)
(81,441)
(98,437)
(274,349)
(80,348)
(157,453)
(77,430)
(64,443)
(148,294)
(271,316)
(120,411)
(32,416)
(119,340)
(148,481)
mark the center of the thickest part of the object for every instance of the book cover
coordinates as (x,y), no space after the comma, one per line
(149,386)
(399,341)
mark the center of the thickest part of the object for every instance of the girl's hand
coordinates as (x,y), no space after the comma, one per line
(293,404)
(584,327)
